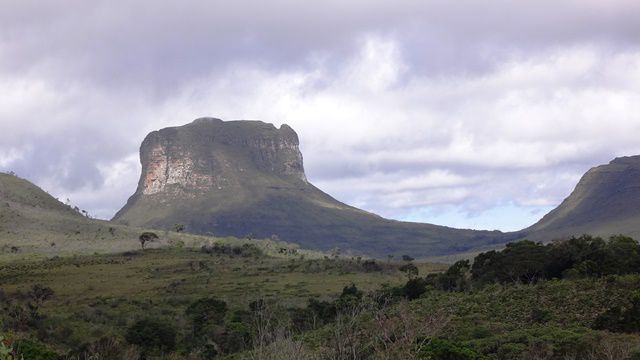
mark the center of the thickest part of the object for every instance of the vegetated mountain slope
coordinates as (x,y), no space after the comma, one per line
(247,177)
(26,211)
(605,202)
(34,222)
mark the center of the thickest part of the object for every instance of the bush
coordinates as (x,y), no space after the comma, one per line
(414,288)
(350,298)
(152,336)
(617,319)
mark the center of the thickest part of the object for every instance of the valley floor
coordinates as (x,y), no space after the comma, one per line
(96,300)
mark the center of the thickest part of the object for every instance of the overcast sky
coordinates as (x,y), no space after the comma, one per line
(477,114)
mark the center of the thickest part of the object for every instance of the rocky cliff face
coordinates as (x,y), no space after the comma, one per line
(188,161)
(247,177)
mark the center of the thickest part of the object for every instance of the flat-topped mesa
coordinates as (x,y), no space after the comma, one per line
(233,178)
(197,158)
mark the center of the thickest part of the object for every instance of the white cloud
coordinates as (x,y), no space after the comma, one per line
(374,133)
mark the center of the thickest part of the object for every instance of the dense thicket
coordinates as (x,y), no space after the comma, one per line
(527,261)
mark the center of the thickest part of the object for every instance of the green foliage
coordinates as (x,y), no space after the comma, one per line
(414,288)
(152,336)
(617,319)
(540,315)
(322,312)
(207,311)
(5,349)
(22,311)
(349,299)
(34,351)
(455,278)
(522,261)
(440,349)
(528,262)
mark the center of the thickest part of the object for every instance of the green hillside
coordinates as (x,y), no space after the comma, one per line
(34,224)
(605,202)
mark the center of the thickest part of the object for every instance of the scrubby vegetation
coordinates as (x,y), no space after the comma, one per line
(208,296)
(571,299)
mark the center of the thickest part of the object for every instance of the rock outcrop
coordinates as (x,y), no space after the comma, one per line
(188,162)
(247,177)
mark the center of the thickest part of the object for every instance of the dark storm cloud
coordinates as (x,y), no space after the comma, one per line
(425,102)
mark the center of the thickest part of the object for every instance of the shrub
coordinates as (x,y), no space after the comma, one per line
(151,335)
(617,319)
(34,351)
(206,311)
(414,288)
(350,298)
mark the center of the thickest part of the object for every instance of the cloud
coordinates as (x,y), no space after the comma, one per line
(412,111)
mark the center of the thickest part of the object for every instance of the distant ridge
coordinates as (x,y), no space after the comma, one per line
(247,177)
(606,201)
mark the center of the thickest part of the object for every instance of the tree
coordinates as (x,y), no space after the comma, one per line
(455,278)
(204,312)
(622,255)
(146,237)
(522,261)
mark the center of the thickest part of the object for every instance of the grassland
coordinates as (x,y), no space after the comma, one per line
(101,295)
